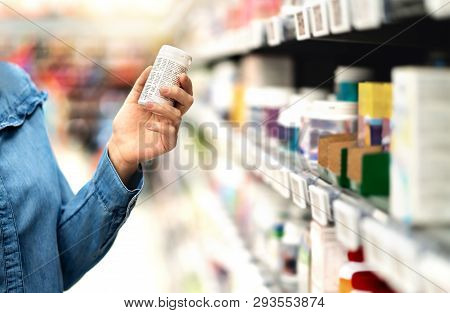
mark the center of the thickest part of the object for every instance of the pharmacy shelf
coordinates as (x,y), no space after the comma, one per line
(406,39)
(411,259)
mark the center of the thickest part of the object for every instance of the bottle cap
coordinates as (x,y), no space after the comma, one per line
(176,55)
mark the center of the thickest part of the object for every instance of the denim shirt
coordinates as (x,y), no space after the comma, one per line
(49,237)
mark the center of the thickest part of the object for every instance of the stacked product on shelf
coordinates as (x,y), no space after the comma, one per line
(420,193)
(349,135)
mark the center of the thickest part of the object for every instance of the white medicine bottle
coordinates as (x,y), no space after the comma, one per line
(170,63)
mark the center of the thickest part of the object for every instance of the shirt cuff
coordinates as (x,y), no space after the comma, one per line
(110,187)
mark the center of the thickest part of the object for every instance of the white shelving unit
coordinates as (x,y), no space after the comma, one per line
(360,22)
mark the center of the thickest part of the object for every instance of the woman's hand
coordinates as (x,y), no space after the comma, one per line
(141,133)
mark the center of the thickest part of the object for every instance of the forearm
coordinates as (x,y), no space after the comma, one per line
(91,219)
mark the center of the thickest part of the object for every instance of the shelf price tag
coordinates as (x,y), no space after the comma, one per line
(403,259)
(274,30)
(273,174)
(339,16)
(366,14)
(375,243)
(436,271)
(319,18)
(347,218)
(302,24)
(284,190)
(256,34)
(299,189)
(251,162)
(320,204)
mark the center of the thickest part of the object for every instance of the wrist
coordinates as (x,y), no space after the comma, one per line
(124,168)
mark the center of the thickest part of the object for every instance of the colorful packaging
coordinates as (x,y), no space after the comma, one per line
(346,80)
(290,246)
(289,121)
(325,118)
(375,111)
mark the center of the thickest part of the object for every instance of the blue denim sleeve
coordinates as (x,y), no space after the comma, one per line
(90,220)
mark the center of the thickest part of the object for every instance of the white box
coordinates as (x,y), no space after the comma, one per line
(420,146)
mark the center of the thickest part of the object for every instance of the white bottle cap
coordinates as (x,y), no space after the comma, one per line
(352,74)
(176,54)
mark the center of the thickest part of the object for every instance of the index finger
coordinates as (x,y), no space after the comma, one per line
(186,84)
(139,85)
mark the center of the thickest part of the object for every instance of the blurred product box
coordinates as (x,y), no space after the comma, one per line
(327,257)
(333,160)
(289,254)
(304,262)
(368,170)
(267,71)
(420,192)
(324,118)
(375,111)
(396,10)
(346,79)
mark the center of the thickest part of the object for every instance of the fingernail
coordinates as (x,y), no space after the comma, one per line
(164,90)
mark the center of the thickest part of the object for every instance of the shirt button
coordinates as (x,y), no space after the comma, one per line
(2,204)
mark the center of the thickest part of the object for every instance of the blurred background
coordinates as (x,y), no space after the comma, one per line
(234,229)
